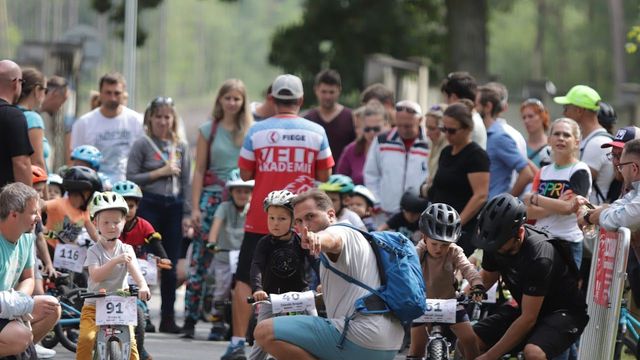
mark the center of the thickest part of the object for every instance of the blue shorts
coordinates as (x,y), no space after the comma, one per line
(320,338)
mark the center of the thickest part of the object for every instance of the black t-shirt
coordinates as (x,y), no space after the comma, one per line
(14,140)
(279,266)
(398,223)
(451,183)
(539,269)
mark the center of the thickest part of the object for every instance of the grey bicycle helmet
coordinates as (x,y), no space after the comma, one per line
(499,221)
(80,178)
(441,222)
(279,198)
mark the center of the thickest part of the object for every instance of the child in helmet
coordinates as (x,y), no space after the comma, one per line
(68,219)
(39,180)
(90,156)
(54,186)
(406,221)
(441,258)
(339,189)
(140,234)
(279,261)
(137,231)
(225,236)
(362,203)
(108,261)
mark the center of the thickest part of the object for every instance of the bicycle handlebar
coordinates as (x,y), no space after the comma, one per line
(132,291)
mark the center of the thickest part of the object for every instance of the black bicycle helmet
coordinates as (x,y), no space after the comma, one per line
(413,203)
(81,178)
(499,221)
(606,115)
(441,222)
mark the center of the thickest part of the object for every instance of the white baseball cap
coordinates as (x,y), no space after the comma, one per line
(287,87)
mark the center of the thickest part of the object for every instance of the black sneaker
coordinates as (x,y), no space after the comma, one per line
(189,329)
(169,326)
(149,327)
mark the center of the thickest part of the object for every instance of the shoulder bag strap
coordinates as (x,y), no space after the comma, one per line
(156,149)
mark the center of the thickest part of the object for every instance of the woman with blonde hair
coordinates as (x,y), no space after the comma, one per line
(550,202)
(159,162)
(217,152)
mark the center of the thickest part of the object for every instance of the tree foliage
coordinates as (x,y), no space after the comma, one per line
(340,33)
(116,13)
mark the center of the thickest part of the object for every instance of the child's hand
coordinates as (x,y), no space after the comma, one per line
(164,264)
(123,258)
(144,293)
(260,295)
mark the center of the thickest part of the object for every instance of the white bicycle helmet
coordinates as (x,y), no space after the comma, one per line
(107,200)
(279,198)
(235,180)
(54,179)
(365,193)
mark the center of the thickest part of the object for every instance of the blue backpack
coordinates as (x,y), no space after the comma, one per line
(401,288)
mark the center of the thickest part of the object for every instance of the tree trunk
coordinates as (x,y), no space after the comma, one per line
(467,37)
(616,23)
(537,62)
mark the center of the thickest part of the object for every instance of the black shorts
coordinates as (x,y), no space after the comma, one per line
(553,332)
(249,243)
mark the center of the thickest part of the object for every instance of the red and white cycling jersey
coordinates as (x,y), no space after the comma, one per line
(284,152)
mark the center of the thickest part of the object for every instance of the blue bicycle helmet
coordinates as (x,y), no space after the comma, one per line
(89,154)
(338,183)
(128,189)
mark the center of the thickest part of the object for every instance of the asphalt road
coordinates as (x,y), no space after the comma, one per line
(172,347)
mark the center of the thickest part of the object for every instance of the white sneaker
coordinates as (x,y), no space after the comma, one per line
(44,353)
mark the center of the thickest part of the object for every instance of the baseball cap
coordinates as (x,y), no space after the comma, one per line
(623,135)
(580,96)
(287,87)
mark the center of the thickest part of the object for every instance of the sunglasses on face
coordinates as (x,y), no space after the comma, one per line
(372,129)
(400,108)
(450,131)
(611,156)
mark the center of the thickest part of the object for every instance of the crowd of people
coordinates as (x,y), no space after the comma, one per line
(254,210)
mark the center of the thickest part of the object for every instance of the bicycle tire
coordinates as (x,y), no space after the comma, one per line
(628,341)
(67,336)
(50,340)
(114,350)
(437,350)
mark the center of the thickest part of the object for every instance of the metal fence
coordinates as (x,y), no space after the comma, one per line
(604,294)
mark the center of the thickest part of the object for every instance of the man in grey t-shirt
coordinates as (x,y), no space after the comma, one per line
(309,337)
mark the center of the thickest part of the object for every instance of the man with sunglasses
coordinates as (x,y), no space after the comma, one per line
(112,127)
(15,148)
(624,212)
(397,160)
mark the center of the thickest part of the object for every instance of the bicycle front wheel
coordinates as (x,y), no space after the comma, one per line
(437,350)
(68,336)
(115,351)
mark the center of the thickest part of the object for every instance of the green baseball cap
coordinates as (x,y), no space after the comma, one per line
(580,96)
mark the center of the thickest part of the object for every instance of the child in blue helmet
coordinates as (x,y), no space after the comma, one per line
(339,189)
(90,156)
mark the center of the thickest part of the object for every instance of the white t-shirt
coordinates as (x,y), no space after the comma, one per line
(377,332)
(554,182)
(479,133)
(596,157)
(112,136)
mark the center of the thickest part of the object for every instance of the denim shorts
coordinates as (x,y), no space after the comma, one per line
(320,338)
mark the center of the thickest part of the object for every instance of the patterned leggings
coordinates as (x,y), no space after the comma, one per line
(200,257)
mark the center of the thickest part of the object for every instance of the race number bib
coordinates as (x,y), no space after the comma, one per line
(292,302)
(70,257)
(149,270)
(439,311)
(234,255)
(116,310)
